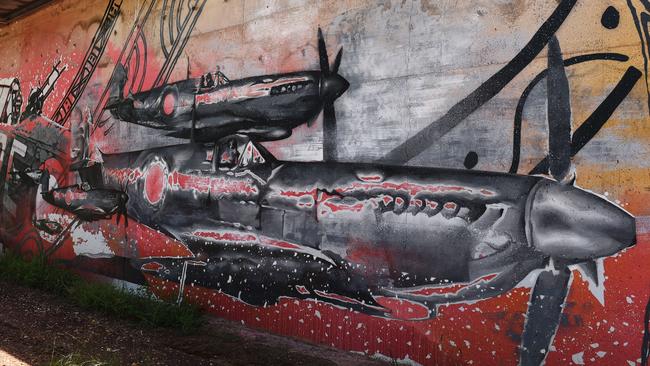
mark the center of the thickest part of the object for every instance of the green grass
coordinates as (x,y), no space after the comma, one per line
(141,306)
(75,359)
(36,273)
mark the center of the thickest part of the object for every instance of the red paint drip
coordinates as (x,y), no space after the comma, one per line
(278,243)
(450,206)
(214,185)
(226,236)
(297,194)
(336,207)
(412,188)
(371,178)
(124,176)
(387,199)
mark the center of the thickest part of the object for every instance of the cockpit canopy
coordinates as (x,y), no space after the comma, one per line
(239,152)
(212,79)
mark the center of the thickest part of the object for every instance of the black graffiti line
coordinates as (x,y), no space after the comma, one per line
(644,26)
(179,43)
(91,59)
(163,47)
(644,50)
(486,91)
(170,22)
(185,40)
(519,111)
(139,51)
(137,27)
(590,127)
(178,19)
(136,66)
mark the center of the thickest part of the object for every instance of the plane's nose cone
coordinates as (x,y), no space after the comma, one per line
(567,222)
(333,87)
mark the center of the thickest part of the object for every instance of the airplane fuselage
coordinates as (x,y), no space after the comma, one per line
(265,107)
(399,230)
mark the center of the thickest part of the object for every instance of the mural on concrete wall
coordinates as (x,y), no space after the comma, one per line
(435,199)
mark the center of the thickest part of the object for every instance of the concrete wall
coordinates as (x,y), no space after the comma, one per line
(425,265)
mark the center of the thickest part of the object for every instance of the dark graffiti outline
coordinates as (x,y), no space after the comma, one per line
(416,144)
(590,127)
(178,43)
(643,37)
(130,44)
(91,60)
(516,138)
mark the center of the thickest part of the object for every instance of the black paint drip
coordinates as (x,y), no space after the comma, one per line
(610,18)
(471,160)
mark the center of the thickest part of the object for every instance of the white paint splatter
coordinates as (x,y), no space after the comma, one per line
(90,244)
(577,358)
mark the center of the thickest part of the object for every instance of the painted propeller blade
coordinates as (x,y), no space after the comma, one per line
(329,133)
(123,212)
(45,181)
(558,113)
(337,62)
(322,54)
(590,269)
(543,316)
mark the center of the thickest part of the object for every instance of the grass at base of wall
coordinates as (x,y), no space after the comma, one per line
(76,359)
(141,306)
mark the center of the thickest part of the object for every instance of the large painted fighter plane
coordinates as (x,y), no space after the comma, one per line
(354,235)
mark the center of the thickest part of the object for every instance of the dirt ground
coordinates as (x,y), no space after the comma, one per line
(37,328)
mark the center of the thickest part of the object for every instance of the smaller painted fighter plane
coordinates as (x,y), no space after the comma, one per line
(85,202)
(206,109)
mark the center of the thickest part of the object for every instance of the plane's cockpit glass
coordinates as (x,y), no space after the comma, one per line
(251,156)
(228,154)
(212,79)
(235,153)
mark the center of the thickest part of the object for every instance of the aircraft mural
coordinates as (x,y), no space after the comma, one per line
(214,217)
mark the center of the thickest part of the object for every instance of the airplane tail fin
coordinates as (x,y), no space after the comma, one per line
(116,85)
